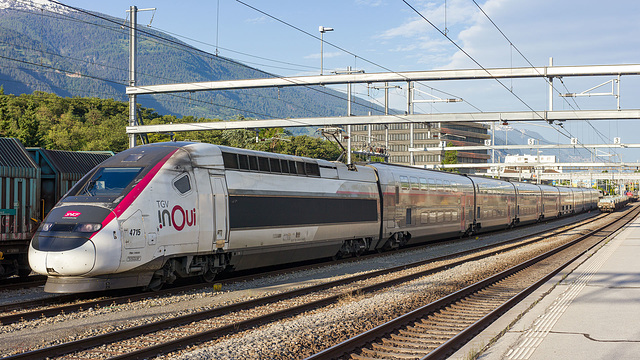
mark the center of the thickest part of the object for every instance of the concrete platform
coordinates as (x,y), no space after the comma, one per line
(593,313)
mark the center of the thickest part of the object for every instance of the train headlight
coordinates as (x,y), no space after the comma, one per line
(47,226)
(89,228)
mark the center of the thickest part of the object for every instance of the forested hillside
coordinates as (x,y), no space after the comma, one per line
(53,122)
(76,54)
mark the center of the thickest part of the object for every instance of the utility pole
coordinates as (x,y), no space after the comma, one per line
(410,112)
(349,71)
(133,12)
(133,47)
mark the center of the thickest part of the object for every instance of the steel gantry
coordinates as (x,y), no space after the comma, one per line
(354,78)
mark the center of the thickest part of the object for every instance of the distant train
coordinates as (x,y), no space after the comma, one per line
(613,202)
(158,212)
(32,180)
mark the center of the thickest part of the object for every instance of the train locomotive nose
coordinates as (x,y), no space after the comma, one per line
(62,256)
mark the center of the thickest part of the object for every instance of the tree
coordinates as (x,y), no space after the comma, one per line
(450,157)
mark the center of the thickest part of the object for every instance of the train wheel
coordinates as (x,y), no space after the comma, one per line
(209,276)
(155,284)
(23,273)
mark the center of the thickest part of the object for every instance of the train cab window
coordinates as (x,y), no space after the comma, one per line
(243,162)
(230,160)
(253,163)
(263,164)
(275,165)
(404,182)
(423,184)
(182,184)
(414,184)
(107,182)
(301,169)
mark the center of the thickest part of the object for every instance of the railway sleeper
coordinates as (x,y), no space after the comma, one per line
(401,348)
(425,334)
(470,309)
(410,341)
(454,318)
(440,324)
(435,325)
(377,354)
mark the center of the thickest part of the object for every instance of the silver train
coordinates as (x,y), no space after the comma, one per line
(158,212)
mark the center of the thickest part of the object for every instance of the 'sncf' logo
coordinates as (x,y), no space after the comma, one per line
(72,214)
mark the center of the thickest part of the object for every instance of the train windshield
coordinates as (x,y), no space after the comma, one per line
(108,181)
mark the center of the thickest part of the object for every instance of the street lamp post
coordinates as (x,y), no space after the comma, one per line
(322,31)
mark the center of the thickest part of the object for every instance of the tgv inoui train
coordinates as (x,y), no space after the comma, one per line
(153,213)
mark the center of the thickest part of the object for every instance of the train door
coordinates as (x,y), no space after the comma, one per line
(220,201)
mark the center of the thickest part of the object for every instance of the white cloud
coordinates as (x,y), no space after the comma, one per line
(372,3)
(326,55)
(257,20)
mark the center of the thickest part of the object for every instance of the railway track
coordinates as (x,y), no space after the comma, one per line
(21,283)
(436,330)
(51,306)
(69,303)
(174,333)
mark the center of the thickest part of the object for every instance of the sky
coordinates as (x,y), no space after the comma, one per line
(282,37)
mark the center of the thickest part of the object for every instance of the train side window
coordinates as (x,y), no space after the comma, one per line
(230,160)
(397,195)
(253,163)
(301,169)
(275,165)
(292,167)
(312,169)
(263,164)
(439,185)
(243,162)
(408,216)
(414,183)
(432,185)
(404,182)
(423,184)
(182,184)
(446,186)
(284,164)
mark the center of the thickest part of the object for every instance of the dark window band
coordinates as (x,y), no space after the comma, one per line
(268,211)
(269,164)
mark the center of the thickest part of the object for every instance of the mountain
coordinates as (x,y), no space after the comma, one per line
(47,47)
